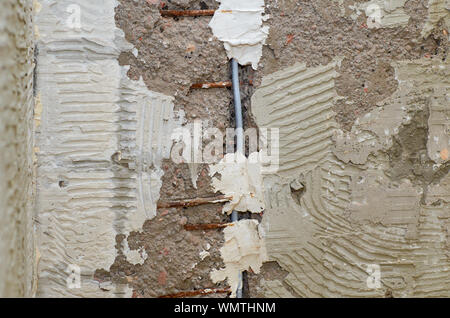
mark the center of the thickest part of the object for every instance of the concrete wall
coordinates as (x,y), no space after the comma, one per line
(359,91)
(16,109)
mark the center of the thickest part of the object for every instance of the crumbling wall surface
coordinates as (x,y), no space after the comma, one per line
(359,92)
(16,109)
(103,129)
(101,141)
(172,54)
(360,203)
(359,206)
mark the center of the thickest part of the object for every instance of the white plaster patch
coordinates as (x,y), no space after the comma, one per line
(239,24)
(241,179)
(382,13)
(243,249)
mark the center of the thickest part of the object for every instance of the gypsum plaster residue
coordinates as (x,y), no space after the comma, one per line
(243,249)
(240,178)
(101,138)
(239,24)
(188,136)
(298,101)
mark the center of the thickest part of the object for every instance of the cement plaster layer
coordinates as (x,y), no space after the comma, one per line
(101,140)
(239,24)
(437,10)
(288,95)
(372,198)
(423,85)
(16,141)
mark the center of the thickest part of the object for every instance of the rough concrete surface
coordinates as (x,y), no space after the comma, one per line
(17,249)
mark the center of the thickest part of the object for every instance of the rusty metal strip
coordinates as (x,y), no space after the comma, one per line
(212,85)
(193,202)
(206,291)
(206,226)
(186,13)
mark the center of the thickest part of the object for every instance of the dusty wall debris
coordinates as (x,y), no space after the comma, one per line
(17,250)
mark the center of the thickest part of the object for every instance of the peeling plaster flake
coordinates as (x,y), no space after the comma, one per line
(239,24)
(243,249)
(241,179)
(204,254)
(101,139)
(193,170)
